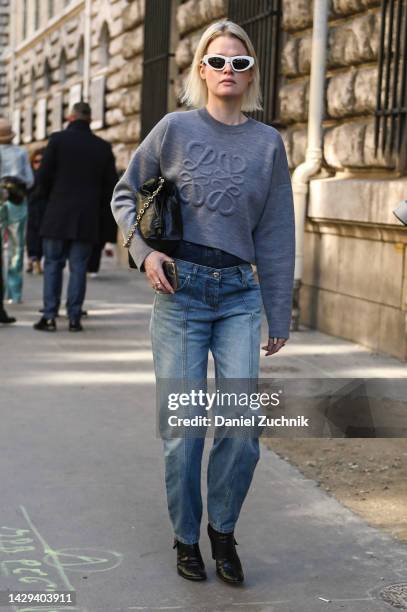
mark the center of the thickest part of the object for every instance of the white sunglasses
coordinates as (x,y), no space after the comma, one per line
(239,63)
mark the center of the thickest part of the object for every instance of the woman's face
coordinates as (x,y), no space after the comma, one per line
(36,163)
(226,83)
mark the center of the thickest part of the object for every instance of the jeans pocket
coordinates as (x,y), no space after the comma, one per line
(183,280)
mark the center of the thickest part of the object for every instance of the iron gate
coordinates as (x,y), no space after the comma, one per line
(390,115)
(262,21)
(154,98)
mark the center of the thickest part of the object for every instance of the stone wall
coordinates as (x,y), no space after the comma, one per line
(123,99)
(355,282)
(351,82)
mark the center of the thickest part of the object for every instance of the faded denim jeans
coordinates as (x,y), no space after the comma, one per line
(217,310)
(14,220)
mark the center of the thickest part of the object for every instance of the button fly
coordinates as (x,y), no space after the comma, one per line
(216,274)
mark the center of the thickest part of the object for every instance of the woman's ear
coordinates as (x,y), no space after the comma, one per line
(202,71)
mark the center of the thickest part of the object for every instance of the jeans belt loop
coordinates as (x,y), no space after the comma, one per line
(194,271)
(243,276)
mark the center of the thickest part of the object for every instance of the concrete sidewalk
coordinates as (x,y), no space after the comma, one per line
(82,497)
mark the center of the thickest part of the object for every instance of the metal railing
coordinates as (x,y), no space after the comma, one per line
(390,115)
(154,98)
(262,21)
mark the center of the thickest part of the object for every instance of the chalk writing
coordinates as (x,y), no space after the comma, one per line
(44,566)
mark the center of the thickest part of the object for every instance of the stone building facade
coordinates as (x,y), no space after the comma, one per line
(355,269)
(355,280)
(4,41)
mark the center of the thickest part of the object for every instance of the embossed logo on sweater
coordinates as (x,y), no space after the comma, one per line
(211,178)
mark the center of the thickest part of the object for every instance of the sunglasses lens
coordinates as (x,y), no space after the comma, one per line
(240,63)
(216,62)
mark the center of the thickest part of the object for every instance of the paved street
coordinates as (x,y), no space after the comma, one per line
(82,495)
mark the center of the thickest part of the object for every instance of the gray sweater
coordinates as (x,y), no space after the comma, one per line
(236,195)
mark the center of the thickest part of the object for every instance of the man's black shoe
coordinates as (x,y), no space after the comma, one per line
(4,318)
(75,326)
(190,564)
(45,324)
(228,566)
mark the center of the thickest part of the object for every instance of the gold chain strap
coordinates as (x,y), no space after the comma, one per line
(147,203)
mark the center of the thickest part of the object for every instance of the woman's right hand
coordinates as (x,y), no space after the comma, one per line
(155,273)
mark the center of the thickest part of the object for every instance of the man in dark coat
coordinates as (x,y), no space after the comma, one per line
(77,176)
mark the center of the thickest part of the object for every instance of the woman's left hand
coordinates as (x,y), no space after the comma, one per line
(274,345)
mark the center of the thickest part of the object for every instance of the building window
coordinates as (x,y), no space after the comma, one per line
(262,22)
(390,115)
(33,84)
(36,14)
(154,99)
(47,75)
(104,42)
(18,92)
(97,102)
(62,66)
(25,19)
(80,55)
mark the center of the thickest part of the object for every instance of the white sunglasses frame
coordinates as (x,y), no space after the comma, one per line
(228,60)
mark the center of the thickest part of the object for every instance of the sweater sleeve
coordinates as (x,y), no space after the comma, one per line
(144,164)
(274,241)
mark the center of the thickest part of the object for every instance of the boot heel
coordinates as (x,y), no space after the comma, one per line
(212,542)
(212,549)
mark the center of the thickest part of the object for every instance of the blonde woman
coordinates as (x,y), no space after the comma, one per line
(237,210)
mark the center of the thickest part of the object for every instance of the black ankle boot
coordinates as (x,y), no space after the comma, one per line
(45,324)
(189,561)
(228,566)
(4,318)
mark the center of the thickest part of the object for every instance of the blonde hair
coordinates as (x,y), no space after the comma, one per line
(195,92)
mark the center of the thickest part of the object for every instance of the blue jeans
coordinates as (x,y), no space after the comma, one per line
(217,310)
(56,252)
(14,220)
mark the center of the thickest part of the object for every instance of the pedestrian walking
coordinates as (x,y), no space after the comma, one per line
(4,317)
(36,208)
(77,177)
(233,181)
(15,165)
